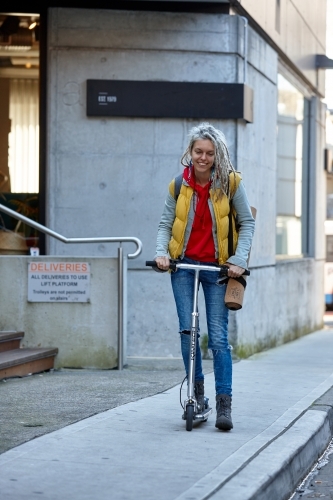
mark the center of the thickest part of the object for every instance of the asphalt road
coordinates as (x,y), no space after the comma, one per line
(319,483)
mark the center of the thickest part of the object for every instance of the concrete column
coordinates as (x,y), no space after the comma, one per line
(317,179)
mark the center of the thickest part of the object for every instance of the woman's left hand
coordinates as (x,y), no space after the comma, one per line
(234,271)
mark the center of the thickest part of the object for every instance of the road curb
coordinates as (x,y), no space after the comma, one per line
(283,464)
(325,403)
(276,468)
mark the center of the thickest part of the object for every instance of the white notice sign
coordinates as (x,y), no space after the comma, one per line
(59,282)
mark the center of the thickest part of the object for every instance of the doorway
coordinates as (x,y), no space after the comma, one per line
(19,131)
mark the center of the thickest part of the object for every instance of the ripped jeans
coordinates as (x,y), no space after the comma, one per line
(217,323)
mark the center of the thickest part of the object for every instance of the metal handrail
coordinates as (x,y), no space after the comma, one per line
(50,232)
(103,239)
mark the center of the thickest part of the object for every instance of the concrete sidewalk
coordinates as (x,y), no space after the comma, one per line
(283,421)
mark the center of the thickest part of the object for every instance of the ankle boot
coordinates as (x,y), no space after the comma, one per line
(223,412)
(199,393)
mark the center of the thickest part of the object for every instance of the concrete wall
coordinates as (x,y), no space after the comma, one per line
(282,303)
(109,176)
(121,167)
(86,334)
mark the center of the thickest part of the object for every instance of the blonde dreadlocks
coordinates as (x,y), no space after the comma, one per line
(222,163)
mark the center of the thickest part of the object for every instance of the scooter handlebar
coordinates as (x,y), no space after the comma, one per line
(173,267)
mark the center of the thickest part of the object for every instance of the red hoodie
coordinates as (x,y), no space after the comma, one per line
(200,245)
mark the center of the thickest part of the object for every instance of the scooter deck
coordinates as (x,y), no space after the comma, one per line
(200,417)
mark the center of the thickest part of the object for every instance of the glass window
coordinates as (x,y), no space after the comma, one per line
(290,162)
(19,131)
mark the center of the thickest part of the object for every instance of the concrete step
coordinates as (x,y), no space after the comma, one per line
(10,340)
(24,361)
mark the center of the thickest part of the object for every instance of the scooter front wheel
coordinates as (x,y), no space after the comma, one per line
(189,417)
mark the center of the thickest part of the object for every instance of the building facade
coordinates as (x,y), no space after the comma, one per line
(108,175)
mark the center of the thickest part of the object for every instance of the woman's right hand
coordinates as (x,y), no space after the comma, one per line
(163,263)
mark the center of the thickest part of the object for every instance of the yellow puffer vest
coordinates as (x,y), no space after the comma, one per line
(221,212)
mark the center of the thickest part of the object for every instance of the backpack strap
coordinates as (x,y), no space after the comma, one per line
(178,185)
(232,221)
(175,186)
(230,234)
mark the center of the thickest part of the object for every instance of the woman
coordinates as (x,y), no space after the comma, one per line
(195,229)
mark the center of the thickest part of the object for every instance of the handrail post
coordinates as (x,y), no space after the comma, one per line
(120,308)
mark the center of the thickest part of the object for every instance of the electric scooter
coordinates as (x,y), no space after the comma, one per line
(191,413)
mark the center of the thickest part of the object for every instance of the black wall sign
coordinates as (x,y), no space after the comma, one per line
(169,99)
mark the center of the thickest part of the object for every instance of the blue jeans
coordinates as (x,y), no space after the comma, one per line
(217,323)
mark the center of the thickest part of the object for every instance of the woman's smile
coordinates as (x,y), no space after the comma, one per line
(203,155)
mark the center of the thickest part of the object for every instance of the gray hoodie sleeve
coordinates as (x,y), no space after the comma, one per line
(246,231)
(165,227)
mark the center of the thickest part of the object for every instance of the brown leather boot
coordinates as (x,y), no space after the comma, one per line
(223,412)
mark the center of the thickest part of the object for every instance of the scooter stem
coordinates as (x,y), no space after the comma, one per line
(193,338)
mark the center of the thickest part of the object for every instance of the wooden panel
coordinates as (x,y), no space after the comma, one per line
(8,345)
(24,369)
(20,356)
(10,335)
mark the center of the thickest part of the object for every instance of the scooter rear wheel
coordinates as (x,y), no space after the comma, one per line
(189,417)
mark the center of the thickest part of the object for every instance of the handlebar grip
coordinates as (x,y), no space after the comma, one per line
(151,263)
(224,271)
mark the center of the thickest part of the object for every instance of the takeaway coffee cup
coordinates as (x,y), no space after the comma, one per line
(235,293)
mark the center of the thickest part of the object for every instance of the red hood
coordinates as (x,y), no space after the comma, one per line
(189,176)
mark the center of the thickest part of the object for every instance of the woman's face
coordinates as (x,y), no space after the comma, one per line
(203,155)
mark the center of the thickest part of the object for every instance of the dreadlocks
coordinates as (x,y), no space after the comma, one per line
(222,163)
